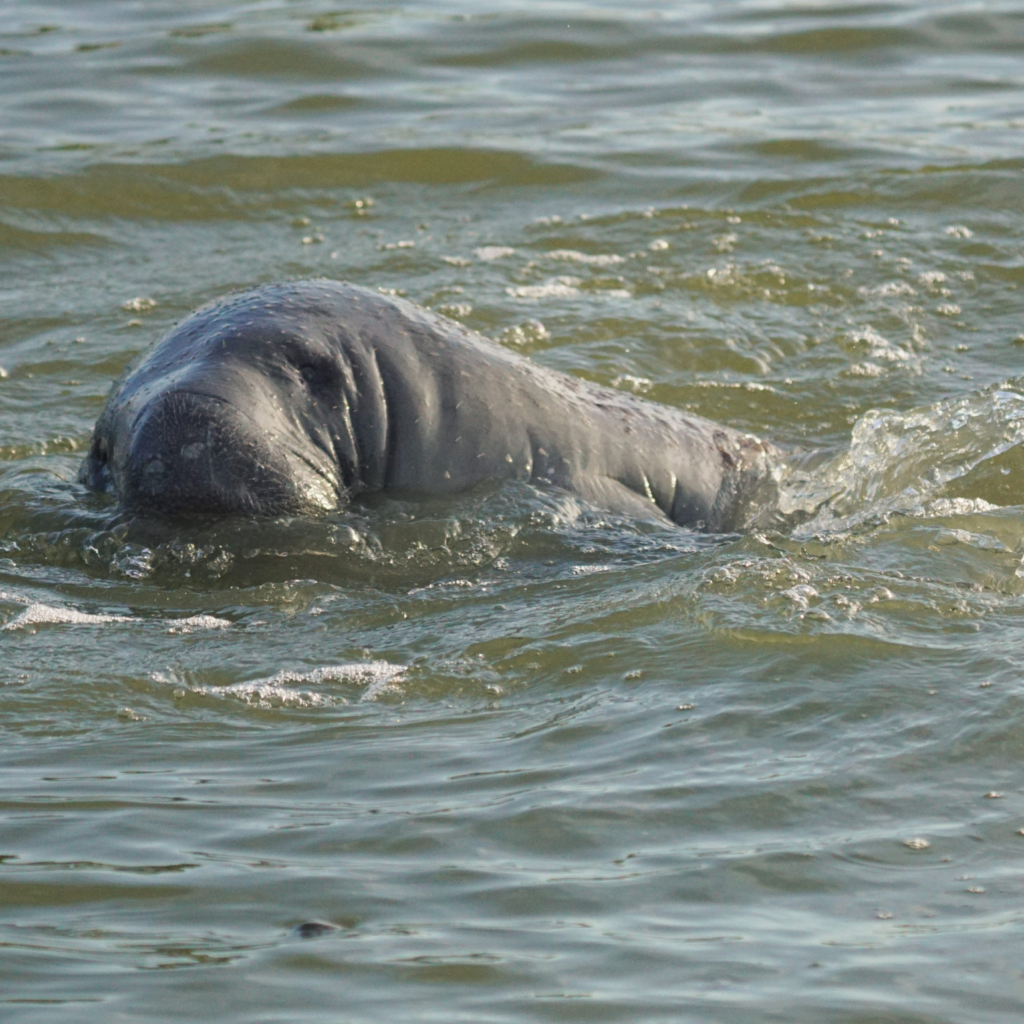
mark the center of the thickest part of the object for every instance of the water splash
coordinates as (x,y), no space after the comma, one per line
(901,463)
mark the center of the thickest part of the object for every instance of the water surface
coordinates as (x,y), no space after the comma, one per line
(526,760)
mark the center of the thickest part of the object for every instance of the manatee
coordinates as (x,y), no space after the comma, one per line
(292,398)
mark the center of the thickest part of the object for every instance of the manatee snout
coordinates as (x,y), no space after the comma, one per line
(187,452)
(171,455)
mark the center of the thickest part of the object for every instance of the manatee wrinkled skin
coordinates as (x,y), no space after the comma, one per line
(295,397)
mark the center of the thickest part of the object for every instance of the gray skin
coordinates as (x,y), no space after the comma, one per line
(292,398)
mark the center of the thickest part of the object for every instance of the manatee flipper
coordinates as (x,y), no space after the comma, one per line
(607,492)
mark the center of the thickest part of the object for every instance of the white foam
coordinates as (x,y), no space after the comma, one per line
(524,333)
(892,288)
(378,677)
(557,288)
(47,614)
(864,370)
(492,252)
(639,384)
(38,613)
(572,256)
(196,622)
(881,350)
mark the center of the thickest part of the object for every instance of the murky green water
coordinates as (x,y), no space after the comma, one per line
(533,762)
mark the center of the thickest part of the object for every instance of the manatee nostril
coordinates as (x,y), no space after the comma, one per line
(153,477)
(193,450)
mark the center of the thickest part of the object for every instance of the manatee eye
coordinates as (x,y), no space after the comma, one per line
(321,380)
(313,376)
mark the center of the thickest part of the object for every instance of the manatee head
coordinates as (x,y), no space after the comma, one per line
(241,408)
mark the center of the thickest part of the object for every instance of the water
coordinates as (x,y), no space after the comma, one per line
(526,760)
